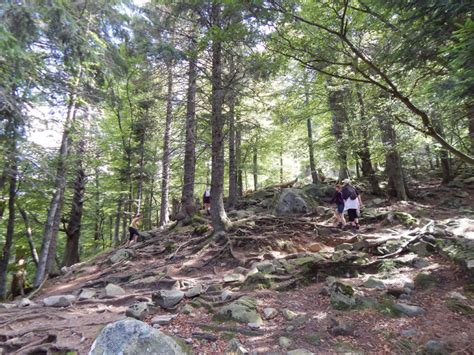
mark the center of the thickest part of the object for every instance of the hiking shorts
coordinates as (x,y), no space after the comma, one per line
(340,208)
(133,232)
(352,213)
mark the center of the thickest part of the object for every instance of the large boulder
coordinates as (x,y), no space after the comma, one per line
(243,310)
(133,337)
(293,201)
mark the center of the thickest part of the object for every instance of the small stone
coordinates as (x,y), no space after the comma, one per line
(409,284)
(407,290)
(315,247)
(284,342)
(86,294)
(235,348)
(214,288)
(234,278)
(404,297)
(138,310)
(289,315)
(408,333)
(269,313)
(112,290)
(372,282)
(254,326)
(59,301)
(324,291)
(121,255)
(290,328)
(187,309)
(226,295)
(163,319)
(435,347)
(340,328)
(25,302)
(409,310)
(266,267)
(457,296)
(194,292)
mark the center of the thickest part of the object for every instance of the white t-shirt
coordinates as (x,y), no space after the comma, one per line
(351,204)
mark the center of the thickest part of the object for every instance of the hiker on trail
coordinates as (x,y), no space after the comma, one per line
(133,229)
(352,203)
(206,200)
(339,200)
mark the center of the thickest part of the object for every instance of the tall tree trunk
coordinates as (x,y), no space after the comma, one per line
(238,159)
(255,165)
(28,234)
(48,246)
(393,165)
(339,119)
(187,194)
(232,166)
(443,153)
(165,176)
(364,152)
(220,222)
(470,117)
(117,221)
(281,166)
(309,127)
(13,172)
(141,149)
(73,230)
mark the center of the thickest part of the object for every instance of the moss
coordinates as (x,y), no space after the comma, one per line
(424,281)
(257,281)
(313,339)
(457,306)
(385,306)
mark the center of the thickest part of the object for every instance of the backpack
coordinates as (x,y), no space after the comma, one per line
(353,194)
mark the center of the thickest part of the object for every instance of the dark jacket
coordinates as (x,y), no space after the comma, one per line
(337,198)
(349,191)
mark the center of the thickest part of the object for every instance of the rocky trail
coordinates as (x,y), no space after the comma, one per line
(275,284)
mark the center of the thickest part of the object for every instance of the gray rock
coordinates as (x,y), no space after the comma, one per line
(420,263)
(234,278)
(409,310)
(289,315)
(187,309)
(343,246)
(290,328)
(243,310)
(149,280)
(235,348)
(292,201)
(86,294)
(408,333)
(138,310)
(341,301)
(167,298)
(12,305)
(254,326)
(404,297)
(133,337)
(457,296)
(59,301)
(409,284)
(421,248)
(226,295)
(112,290)
(372,282)
(121,255)
(240,270)
(284,342)
(469,180)
(193,292)
(340,328)
(25,302)
(435,347)
(462,194)
(163,319)
(299,352)
(266,267)
(269,313)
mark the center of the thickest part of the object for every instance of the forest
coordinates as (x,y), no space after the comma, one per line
(110,109)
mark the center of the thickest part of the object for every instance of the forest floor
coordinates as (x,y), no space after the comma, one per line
(294,259)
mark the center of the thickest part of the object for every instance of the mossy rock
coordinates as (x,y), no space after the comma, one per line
(424,281)
(460,307)
(257,281)
(313,339)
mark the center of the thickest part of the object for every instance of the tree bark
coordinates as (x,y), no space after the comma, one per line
(187,195)
(238,159)
(364,151)
(28,234)
(13,172)
(220,222)
(73,230)
(393,166)
(255,165)
(470,117)
(48,246)
(339,119)
(165,176)
(232,165)
(309,127)
(443,153)
(281,166)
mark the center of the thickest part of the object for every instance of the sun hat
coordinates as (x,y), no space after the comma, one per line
(346,181)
